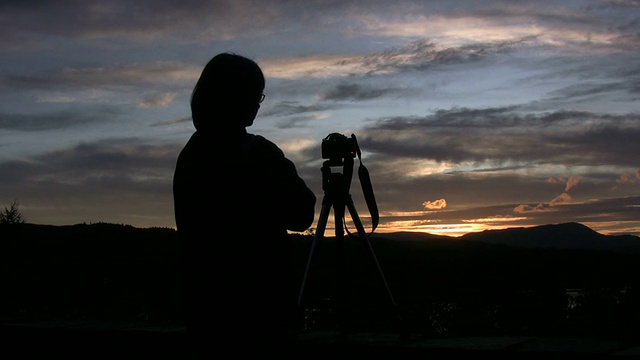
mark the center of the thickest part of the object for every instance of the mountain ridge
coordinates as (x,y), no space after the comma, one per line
(571,235)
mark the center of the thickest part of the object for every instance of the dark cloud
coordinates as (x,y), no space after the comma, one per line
(100,77)
(424,54)
(94,182)
(157,100)
(285,108)
(498,135)
(58,119)
(356,92)
(293,121)
(586,91)
(146,20)
(599,78)
(185,119)
(196,20)
(118,156)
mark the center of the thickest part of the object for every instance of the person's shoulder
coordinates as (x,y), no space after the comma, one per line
(261,144)
(259,139)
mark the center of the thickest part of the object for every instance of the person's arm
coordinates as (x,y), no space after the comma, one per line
(296,201)
(301,210)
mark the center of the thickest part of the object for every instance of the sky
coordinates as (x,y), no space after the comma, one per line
(470,115)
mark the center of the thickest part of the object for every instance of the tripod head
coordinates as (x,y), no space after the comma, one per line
(340,151)
(337,147)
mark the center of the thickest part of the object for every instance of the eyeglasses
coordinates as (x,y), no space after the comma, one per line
(262,96)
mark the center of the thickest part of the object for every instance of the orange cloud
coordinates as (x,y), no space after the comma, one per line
(571,182)
(556,180)
(627,178)
(435,205)
(524,209)
(560,199)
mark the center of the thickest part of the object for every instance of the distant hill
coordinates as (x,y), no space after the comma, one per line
(552,236)
(558,236)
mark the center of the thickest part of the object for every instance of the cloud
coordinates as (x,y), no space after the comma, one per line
(314,66)
(628,178)
(492,19)
(299,120)
(540,208)
(587,91)
(526,209)
(572,182)
(293,114)
(181,120)
(59,119)
(145,21)
(117,181)
(157,100)
(569,182)
(417,55)
(500,135)
(286,108)
(560,199)
(56,99)
(194,21)
(352,91)
(160,72)
(556,180)
(111,168)
(435,205)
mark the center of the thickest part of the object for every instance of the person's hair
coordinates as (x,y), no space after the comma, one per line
(229,86)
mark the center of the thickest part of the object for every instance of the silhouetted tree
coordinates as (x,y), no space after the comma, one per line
(11,215)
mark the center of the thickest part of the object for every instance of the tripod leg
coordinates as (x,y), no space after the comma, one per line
(322,224)
(363,235)
(343,304)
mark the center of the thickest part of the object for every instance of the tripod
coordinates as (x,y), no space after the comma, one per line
(336,188)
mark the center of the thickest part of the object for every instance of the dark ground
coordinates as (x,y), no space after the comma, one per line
(107,290)
(122,340)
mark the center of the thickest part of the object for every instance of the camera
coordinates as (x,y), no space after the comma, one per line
(337,146)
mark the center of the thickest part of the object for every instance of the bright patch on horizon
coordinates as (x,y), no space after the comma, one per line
(494,219)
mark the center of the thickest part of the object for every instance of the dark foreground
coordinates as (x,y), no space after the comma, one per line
(460,297)
(121,340)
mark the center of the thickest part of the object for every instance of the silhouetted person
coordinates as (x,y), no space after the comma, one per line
(235,197)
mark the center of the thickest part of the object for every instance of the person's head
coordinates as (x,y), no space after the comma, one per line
(228,93)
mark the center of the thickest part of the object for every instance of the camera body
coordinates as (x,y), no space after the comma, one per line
(337,146)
